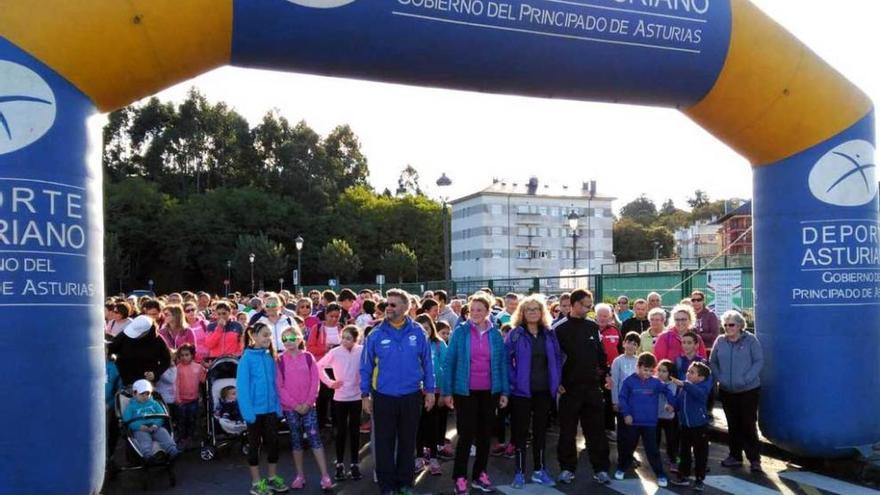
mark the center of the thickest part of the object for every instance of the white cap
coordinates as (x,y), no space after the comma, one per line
(138,326)
(142,386)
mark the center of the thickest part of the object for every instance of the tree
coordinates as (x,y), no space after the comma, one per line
(408,183)
(399,262)
(116,264)
(699,200)
(668,207)
(270,260)
(633,241)
(640,210)
(338,259)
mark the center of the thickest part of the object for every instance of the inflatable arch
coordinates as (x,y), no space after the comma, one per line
(807,131)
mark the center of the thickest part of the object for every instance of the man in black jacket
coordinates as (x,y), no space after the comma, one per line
(583,373)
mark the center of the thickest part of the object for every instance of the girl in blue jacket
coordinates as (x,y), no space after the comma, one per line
(260,407)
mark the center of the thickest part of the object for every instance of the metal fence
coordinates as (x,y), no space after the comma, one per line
(671,281)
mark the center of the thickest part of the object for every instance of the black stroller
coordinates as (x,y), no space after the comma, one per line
(136,461)
(222,432)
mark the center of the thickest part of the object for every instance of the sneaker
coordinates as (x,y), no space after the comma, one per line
(509,452)
(366,427)
(680,481)
(519,480)
(354,472)
(602,478)
(461,487)
(420,464)
(299,482)
(483,483)
(434,467)
(542,477)
(260,488)
(698,485)
(662,481)
(499,449)
(326,483)
(566,477)
(618,475)
(277,484)
(340,472)
(731,462)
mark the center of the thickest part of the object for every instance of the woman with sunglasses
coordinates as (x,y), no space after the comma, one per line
(706,325)
(275,319)
(668,345)
(199,328)
(736,363)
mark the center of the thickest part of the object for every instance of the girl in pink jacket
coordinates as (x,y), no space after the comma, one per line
(296,378)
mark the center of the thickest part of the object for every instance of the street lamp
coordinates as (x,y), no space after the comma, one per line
(228,276)
(442,182)
(657,248)
(299,273)
(251,258)
(573,220)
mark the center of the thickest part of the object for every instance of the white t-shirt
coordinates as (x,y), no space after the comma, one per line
(332,336)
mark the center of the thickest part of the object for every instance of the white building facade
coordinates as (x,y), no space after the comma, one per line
(521,229)
(698,241)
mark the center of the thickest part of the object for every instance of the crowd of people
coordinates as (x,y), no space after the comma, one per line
(396,365)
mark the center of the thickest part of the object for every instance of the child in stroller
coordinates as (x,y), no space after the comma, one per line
(145,418)
(227,411)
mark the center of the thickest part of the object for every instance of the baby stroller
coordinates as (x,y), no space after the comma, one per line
(221,432)
(135,458)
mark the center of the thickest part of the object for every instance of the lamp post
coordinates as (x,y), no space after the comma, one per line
(251,258)
(573,220)
(299,273)
(228,276)
(442,182)
(657,248)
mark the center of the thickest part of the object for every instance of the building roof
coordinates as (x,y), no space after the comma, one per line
(744,209)
(536,189)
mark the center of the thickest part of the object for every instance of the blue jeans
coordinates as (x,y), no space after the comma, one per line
(144,441)
(628,438)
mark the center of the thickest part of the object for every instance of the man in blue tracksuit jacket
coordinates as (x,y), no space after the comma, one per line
(395,369)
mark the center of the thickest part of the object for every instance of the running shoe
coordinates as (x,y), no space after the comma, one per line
(519,480)
(542,477)
(483,483)
(566,477)
(277,484)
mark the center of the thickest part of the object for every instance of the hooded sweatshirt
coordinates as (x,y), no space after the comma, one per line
(346,366)
(691,403)
(255,382)
(737,365)
(296,378)
(640,399)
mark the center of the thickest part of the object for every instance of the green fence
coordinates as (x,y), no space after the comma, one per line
(673,285)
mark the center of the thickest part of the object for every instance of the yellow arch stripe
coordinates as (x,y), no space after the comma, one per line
(117,51)
(775,97)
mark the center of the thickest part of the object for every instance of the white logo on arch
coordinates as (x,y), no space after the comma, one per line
(846,175)
(321,4)
(27,107)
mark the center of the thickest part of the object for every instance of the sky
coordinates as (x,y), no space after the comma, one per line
(474,137)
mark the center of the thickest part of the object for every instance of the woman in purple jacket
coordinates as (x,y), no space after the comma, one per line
(535,372)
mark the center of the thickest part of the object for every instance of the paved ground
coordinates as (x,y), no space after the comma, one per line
(227,474)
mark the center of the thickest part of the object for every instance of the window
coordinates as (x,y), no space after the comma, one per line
(542,210)
(497,231)
(522,231)
(497,253)
(554,211)
(523,254)
(495,209)
(522,209)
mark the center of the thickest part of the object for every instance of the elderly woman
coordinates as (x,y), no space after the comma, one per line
(736,363)
(475,377)
(656,326)
(668,345)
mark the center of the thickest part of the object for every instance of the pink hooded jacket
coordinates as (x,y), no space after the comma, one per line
(296,379)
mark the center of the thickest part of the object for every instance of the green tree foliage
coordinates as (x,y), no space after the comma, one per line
(183,183)
(270,259)
(633,241)
(641,210)
(399,262)
(339,260)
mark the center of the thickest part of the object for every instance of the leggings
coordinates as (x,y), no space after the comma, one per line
(474,417)
(532,412)
(429,430)
(669,429)
(263,432)
(348,419)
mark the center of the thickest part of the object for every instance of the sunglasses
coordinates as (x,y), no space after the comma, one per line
(190,310)
(290,338)
(391,305)
(272,306)
(696,299)
(730,325)
(682,319)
